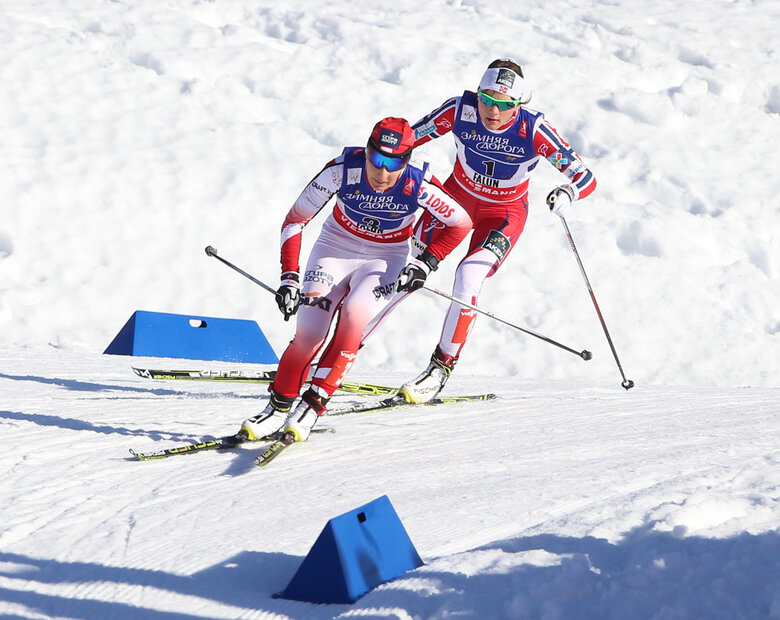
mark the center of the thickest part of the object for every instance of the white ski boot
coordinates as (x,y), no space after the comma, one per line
(306,414)
(270,420)
(431,381)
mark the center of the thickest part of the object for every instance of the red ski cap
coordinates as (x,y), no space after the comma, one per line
(393,137)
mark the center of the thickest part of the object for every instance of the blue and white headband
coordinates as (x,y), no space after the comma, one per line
(503,80)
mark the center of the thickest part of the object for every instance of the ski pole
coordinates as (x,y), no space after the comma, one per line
(627,383)
(586,355)
(211,251)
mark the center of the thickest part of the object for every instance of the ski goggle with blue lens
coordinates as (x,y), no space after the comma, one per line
(501,104)
(389,162)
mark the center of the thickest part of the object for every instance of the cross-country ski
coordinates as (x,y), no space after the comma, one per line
(249,376)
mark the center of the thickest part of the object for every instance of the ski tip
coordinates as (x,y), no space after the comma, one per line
(144,373)
(273,450)
(462,399)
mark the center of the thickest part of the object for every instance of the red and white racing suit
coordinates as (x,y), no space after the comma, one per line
(354,264)
(490,179)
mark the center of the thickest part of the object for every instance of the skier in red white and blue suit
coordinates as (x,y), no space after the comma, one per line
(499,143)
(358,263)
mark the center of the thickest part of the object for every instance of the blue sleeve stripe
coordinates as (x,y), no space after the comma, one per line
(585,181)
(552,137)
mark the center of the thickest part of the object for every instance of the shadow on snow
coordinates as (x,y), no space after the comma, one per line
(247,581)
(648,574)
(87,386)
(74,424)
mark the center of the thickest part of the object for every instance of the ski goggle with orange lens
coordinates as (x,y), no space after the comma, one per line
(501,104)
(380,160)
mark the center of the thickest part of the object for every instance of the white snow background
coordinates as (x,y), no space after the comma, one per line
(135,133)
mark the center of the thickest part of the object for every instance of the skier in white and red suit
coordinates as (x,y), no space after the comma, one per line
(361,258)
(499,142)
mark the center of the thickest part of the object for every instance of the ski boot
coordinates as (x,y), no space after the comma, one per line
(312,406)
(431,381)
(270,420)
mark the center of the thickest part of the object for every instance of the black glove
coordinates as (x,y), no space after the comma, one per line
(413,276)
(288,295)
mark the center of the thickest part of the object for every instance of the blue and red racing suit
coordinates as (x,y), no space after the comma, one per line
(490,179)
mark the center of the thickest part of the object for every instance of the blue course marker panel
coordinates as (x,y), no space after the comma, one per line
(355,552)
(159,334)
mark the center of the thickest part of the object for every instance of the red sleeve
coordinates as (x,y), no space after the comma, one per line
(437,123)
(442,206)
